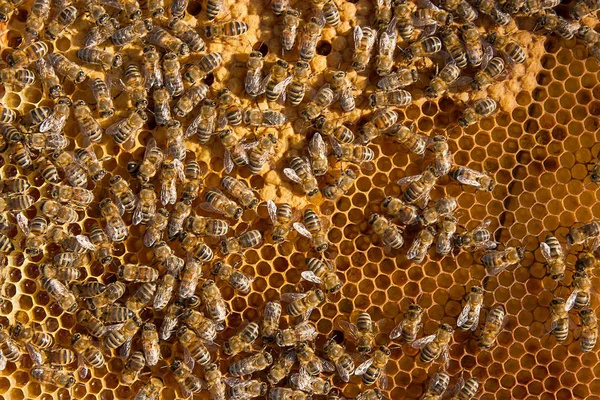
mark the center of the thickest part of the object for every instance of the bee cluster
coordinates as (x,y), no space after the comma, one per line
(146,252)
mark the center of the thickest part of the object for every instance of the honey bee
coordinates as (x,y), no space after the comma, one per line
(99,34)
(150,344)
(237,279)
(559,310)
(302,304)
(404,19)
(492,327)
(137,273)
(60,293)
(206,226)
(270,324)
(177,217)
(408,137)
(399,79)
(322,100)
(364,39)
(151,70)
(468,176)
(93,167)
(322,273)
(314,229)
(461,9)
(8,115)
(437,386)
(17,78)
(145,209)
(445,240)
(279,393)
(162,109)
(589,330)
(255,84)
(380,122)
(429,17)
(491,9)
(422,48)
(188,383)
(508,46)
(57,25)
(91,323)
(447,78)
(134,31)
(132,368)
(150,390)
(385,56)
(167,259)
(240,389)
(279,6)
(103,98)
(49,80)
(443,207)
(242,341)
(213,8)
(217,202)
(556,24)
(420,247)
(238,190)
(32,52)
(302,332)
(297,86)
(208,63)
(396,208)
(342,186)
(125,199)
(205,122)
(496,261)
(373,370)
(290,22)
(261,152)
(469,316)
(114,314)
(466,390)
(235,153)
(363,332)
(34,231)
(436,345)
(6,245)
(15,186)
(95,56)
(53,376)
(393,98)
(231,112)
(189,278)
(172,77)
(581,8)
(343,362)
(581,295)
(34,341)
(157,224)
(87,353)
(282,367)
(278,81)
(310,35)
(555,257)
(115,226)
(125,130)
(113,292)
(410,326)
(57,212)
(485,77)
(389,234)
(141,298)
(195,349)
(214,303)
(190,99)
(245,241)
(88,289)
(88,126)
(256,117)
(204,327)
(584,233)
(342,89)
(215,382)
(310,363)
(10,350)
(301,173)
(480,109)
(227,29)
(419,187)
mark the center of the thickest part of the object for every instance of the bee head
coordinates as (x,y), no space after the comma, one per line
(76,337)
(373,218)
(217,267)
(520,252)
(385,350)
(476,289)
(557,277)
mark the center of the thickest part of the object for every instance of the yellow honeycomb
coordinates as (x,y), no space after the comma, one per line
(537,147)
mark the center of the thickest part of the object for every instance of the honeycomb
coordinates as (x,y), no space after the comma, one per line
(538,148)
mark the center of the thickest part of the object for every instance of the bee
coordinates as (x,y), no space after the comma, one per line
(443,207)
(311,33)
(142,297)
(559,310)
(242,341)
(436,345)
(151,70)
(65,274)
(238,190)
(204,124)
(60,293)
(17,185)
(278,80)
(344,364)
(491,329)
(261,151)
(17,78)
(245,241)
(469,316)
(363,332)
(30,120)
(589,331)
(437,386)
(227,29)
(404,19)
(318,154)
(145,209)
(466,390)
(310,363)
(10,350)
(302,332)
(396,208)
(302,304)
(115,226)
(194,346)
(213,8)
(137,273)
(290,22)
(555,257)
(34,230)
(584,233)
(372,370)
(467,176)
(190,99)
(88,126)
(424,47)
(448,77)
(256,117)
(582,8)
(419,187)
(301,173)
(505,44)
(53,376)
(95,56)
(58,213)
(231,112)
(364,39)
(237,279)
(235,153)
(188,382)
(496,261)
(218,203)
(114,314)
(32,52)
(342,89)
(420,247)
(322,273)
(173,80)
(240,389)
(134,86)
(128,128)
(215,382)
(556,24)
(162,109)
(461,9)
(156,225)
(297,85)
(88,289)
(428,16)
(150,390)
(394,98)
(34,342)
(87,353)
(310,384)
(75,173)
(255,84)
(381,121)
(491,9)
(167,259)
(214,303)
(48,78)
(129,33)
(177,9)
(342,186)
(207,64)
(278,393)
(126,201)
(181,211)
(270,324)
(485,77)
(93,167)
(103,98)
(189,277)
(314,229)
(132,368)
(99,34)
(67,68)
(282,367)
(57,25)
(581,295)
(91,323)
(445,238)
(279,6)
(113,292)
(150,344)
(96,12)
(389,234)
(322,100)
(592,39)
(385,56)
(6,245)
(480,109)
(204,327)
(400,79)
(206,226)
(410,326)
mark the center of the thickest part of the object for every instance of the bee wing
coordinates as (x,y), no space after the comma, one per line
(461,81)
(342,372)
(290,297)
(193,127)
(483,225)
(423,341)
(397,331)
(126,347)
(82,368)
(188,360)
(311,277)
(414,249)
(262,86)
(594,50)
(84,242)
(22,223)
(546,251)
(119,205)
(281,86)
(362,368)
(409,179)
(307,313)
(327,366)
(488,54)
(35,355)
(228,162)
(3,362)
(349,329)
(301,229)
(383,380)
(477,315)
(427,4)
(168,192)
(317,146)
(571,300)
(167,327)
(114,128)
(272,209)
(429,30)
(462,318)
(291,174)
(358,35)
